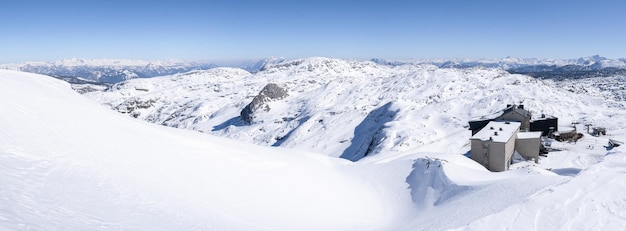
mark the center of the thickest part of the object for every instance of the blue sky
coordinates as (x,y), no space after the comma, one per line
(208,30)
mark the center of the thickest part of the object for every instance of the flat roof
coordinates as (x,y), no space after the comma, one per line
(504,130)
(547,117)
(529,135)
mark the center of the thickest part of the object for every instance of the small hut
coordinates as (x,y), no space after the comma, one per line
(597,131)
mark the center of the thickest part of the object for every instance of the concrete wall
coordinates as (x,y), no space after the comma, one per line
(513,116)
(529,148)
(497,157)
(498,154)
(478,151)
(500,158)
(510,149)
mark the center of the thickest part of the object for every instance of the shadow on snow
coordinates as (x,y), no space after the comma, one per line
(365,134)
(235,121)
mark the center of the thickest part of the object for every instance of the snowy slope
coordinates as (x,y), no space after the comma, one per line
(593,200)
(70,164)
(351,109)
(612,88)
(67,163)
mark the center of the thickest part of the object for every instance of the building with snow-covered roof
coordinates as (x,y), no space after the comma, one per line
(517,113)
(545,124)
(528,144)
(494,145)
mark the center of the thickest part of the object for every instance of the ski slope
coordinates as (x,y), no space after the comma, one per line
(67,163)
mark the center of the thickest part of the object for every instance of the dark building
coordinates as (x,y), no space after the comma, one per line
(477,125)
(544,124)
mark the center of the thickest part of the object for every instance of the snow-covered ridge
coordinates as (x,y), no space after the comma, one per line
(353,109)
(67,163)
(558,69)
(75,62)
(108,70)
(595,62)
(116,70)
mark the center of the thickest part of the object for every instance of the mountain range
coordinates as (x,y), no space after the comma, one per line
(353,109)
(110,71)
(306,144)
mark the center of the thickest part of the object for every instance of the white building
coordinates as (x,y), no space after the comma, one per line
(494,145)
(528,144)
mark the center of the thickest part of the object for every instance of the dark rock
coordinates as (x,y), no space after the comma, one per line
(271,92)
(132,106)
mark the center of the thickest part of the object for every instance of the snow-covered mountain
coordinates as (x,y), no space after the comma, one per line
(592,66)
(67,163)
(263,63)
(353,109)
(108,70)
(595,62)
(117,70)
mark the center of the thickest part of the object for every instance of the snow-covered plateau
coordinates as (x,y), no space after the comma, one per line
(350,145)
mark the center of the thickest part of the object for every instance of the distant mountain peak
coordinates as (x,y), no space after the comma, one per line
(115,70)
(264,63)
(590,60)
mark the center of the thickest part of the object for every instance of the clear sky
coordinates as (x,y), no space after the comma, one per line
(236,29)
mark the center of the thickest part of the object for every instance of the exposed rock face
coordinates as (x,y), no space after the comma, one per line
(271,92)
(132,105)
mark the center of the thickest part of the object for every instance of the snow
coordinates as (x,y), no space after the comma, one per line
(76,62)
(353,109)
(67,163)
(116,70)
(593,200)
(498,131)
(595,62)
(529,135)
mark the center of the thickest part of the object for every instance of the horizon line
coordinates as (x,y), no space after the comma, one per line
(209,60)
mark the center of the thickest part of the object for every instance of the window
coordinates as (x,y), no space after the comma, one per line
(486,160)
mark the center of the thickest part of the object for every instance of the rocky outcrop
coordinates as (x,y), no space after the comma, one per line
(132,106)
(271,92)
